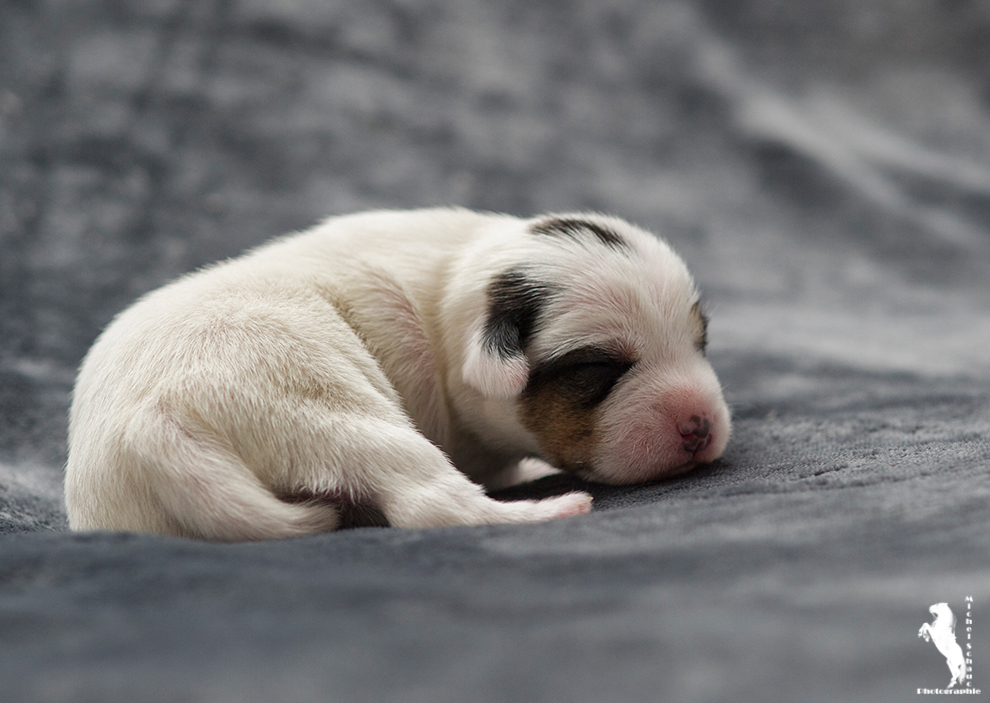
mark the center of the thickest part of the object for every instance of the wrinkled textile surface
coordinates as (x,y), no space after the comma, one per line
(824,168)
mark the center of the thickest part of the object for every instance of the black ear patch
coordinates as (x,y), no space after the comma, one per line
(573,227)
(515,301)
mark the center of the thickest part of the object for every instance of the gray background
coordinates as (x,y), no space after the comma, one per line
(824,168)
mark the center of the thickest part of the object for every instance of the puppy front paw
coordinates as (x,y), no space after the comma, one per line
(567,505)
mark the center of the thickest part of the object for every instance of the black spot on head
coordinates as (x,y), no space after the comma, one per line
(515,301)
(701,339)
(573,227)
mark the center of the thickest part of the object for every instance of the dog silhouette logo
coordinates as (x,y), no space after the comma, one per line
(942,631)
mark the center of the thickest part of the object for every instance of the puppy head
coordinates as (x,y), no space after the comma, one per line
(600,339)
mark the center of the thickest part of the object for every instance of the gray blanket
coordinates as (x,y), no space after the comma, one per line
(824,168)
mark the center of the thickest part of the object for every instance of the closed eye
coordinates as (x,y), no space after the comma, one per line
(701,340)
(584,377)
(588,384)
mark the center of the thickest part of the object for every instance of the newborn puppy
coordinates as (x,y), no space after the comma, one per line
(400,360)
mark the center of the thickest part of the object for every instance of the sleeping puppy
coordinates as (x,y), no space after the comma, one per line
(400,360)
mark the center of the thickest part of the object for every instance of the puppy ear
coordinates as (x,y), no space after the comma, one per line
(495,360)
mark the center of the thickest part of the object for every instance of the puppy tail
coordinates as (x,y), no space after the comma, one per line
(205,491)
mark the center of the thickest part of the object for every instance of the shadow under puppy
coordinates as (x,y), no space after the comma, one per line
(401,360)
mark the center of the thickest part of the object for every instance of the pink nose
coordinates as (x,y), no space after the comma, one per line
(696,434)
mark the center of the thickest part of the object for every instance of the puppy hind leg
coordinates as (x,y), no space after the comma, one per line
(207,492)
(451,498)
(415,485)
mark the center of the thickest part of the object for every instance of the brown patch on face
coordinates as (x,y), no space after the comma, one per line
(566,434)
(560,403)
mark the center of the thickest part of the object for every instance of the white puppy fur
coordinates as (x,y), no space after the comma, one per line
(360,362)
